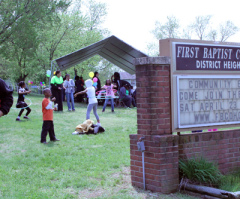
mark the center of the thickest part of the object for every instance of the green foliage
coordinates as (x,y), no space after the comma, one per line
(20,22)
(15,14)
(230,182)
(200,171)
(55,29)
(167,30)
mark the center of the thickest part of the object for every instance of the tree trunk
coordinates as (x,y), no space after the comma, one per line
(22,78)
(218,193)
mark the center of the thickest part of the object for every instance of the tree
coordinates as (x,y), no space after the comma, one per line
(153,49)
(76,29)
(37,41)
(170,29)
(15,13)
(21,47)
(4,68)
(20,22)
(212,35)
(227,29)
(167,30)
(96,13)
(200,26)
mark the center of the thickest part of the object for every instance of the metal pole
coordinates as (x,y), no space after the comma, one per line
(143,166)
(49,79)
(141,147)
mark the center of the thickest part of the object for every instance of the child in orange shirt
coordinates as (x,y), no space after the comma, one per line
(48,117)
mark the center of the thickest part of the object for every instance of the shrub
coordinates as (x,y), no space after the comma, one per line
(200,171)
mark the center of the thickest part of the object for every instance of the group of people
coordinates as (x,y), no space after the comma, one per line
(58,85)
(125,90)
(66,87)
(55,95)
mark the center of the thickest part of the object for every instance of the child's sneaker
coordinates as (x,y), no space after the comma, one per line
(17,119)
(26,117)
(75,133)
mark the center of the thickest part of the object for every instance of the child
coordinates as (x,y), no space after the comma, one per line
(20,102)
(109,94)
(48,117)
(92,102)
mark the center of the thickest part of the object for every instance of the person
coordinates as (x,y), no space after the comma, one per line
(79,82)
(127,100)
(92,102)
(6,98)
(56,87)
(118,82)
(20,102)
(128,93)
(69,90)
(82,83)
(96,74)
(47,111)
(109,94)
(63,90)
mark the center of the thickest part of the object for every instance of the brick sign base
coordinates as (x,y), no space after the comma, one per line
(163,149)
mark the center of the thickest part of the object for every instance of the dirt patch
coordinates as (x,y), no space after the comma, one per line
(120,183)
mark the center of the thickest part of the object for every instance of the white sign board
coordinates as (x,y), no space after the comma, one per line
(208,100)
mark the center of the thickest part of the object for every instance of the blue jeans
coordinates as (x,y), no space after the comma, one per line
(106,101)
(89,108)
(70,97)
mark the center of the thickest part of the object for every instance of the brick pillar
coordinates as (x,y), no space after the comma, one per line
(154,123)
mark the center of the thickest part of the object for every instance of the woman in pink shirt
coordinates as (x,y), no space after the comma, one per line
(109,94)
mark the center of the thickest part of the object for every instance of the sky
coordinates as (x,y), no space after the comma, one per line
(133,20)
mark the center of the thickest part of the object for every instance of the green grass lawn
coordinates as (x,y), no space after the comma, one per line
(79,166)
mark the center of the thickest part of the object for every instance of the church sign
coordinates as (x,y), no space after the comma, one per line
(203,57)
(205,83)
(206,101)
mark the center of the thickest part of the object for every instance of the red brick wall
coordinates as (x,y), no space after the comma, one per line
(161,163)
(154,114)
(220,147)
(153,99)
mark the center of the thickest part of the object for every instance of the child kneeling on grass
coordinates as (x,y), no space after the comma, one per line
(48,117)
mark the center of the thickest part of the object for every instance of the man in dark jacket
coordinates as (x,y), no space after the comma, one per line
(6,98)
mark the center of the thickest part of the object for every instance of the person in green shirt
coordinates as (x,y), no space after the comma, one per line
(57,88)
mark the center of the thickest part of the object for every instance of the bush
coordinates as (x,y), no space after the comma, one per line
(200,171)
